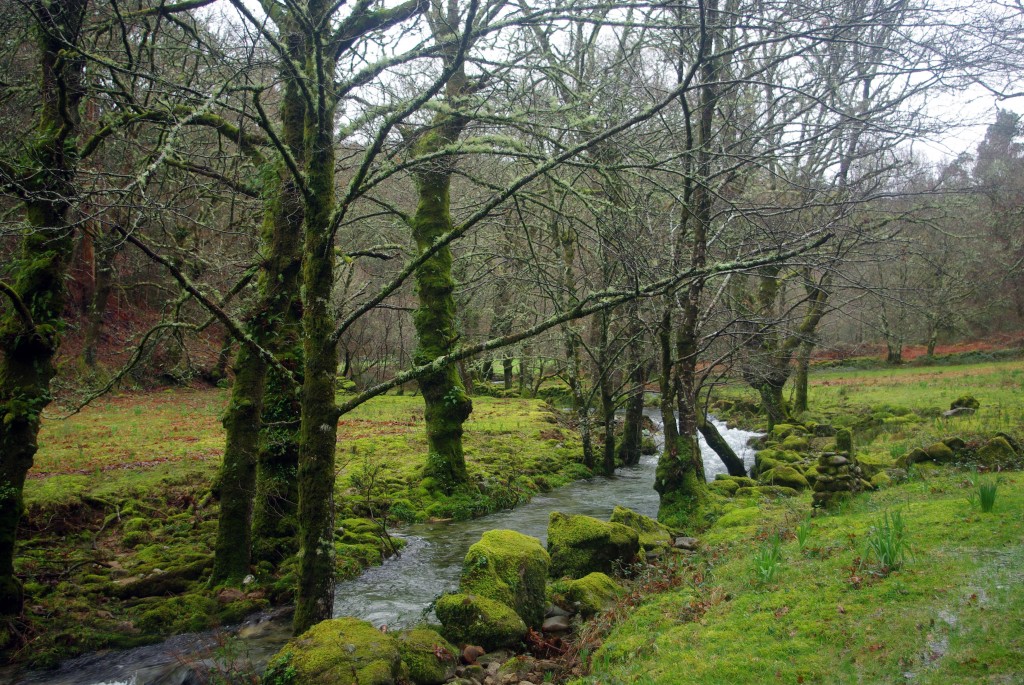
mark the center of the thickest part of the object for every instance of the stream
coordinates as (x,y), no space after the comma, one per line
(394,594)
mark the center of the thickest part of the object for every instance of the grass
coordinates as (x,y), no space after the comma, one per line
(954,616)
(854,605)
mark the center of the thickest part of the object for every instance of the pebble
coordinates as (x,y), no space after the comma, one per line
(555,610)
(686,543)
(556,624)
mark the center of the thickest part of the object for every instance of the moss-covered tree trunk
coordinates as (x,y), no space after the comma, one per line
(106,248)
(725,452)
(632,427)
(319,426)
(447,406)
(30,328)
(257,481)
(800,380)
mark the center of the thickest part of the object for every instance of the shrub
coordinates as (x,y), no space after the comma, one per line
(768,559)
(887,543)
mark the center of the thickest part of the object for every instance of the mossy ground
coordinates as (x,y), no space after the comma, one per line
(954,613)
(121,490)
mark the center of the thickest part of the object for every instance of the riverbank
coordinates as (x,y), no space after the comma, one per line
(119,524)
(784,593)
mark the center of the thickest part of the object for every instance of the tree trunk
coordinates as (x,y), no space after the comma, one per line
(715,441)
(773,403)
(236,482)
(103,286)
(319,426)
(803,363)
(29,331)
(506,371)
(447,404)
(632,429)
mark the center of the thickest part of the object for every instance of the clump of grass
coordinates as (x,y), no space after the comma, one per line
(987,494)
(887,543)
(803,533)
(768,559)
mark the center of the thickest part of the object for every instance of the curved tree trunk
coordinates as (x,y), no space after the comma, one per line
(803,363)
(715,441)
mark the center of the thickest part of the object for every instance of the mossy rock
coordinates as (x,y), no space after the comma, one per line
(511,568)
(796,443)
(579,545)
(428,657)
(914,456)
(786,476)
(652,533)
(968,401)
(781,431)
(340,651)
(471,619)
(727,488)
(954,443)
(767,491)
(188,613)
(844,441)
(940,453)
(741,481)
(870,464)
(881,480)
(997,453)
(592,593)
(762,464)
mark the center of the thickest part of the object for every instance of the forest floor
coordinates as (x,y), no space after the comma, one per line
(119,524)
(825,608)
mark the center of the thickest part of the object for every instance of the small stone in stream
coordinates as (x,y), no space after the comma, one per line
(686,543)
(471,653)
(555,610)
(556,624)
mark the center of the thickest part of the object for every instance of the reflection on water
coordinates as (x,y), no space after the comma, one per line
(396,593)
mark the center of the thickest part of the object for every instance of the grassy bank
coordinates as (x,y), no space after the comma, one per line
(782,597)
(119,528)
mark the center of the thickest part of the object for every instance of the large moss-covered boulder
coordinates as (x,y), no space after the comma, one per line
(796,443)
(579,545)
(997,453)
(726,488)
(652,533)
(741,481)
(511,568)
(592,593)
(785,476)
(771,491)
(471,619)
(781,431)
(341,651)
(429,658)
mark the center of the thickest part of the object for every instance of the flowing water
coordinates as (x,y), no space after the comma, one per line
(394,594)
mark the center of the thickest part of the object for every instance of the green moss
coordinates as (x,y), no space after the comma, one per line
(469,619)
(652,533)
(767,491)
(940,453)
(796,443)
(579,545)
(341,651)
(511,568)
(428,657)
(786,476)
(998,453)
(726,488)
(592,593)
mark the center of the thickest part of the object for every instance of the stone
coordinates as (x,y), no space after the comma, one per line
(796,443)
(956,444)
(471,653)
(965,401)
(844,441)
(686,543)
(593,593)
(786,476)
(471,619)
(652,533)
(428,657)
(557,624)
(959,411)
(579,545)
(511,568)
(555,610)
(940,453)
(726,488)
(881,480)
(767,491)
(838,460)
(997,453)
(340,651)
(230,594)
